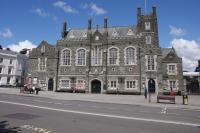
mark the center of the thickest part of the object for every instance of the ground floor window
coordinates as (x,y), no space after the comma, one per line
(113,84)
(42,83)
(172,84)
(130,84)
(65,83)
(34,81)
(8,80)
(80,84)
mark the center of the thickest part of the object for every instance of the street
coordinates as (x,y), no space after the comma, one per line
(28,114)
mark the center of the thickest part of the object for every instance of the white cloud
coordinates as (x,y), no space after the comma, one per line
(6,33)
(65,7)
(40,12)
(174,31)
(189,50)
(95,10)
(21,45)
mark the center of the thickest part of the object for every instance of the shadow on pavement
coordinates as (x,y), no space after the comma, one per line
(4,128)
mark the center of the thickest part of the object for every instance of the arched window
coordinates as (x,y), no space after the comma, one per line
(66,57)
(130,56)
(81,57)
(113,56)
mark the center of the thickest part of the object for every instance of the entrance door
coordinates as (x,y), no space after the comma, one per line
(151,86)
(50,84)
(96,86)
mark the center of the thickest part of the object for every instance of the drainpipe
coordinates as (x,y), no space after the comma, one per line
(57,69)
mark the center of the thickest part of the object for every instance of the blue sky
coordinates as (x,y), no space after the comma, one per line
(31,21)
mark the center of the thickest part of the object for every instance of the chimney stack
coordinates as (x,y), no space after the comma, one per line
(64,30)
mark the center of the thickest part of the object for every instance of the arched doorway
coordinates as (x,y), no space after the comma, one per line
(50,84)
(96,86)
(151,86)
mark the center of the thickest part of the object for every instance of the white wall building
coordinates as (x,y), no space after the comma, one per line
(12,68)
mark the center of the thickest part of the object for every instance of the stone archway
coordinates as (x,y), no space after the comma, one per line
(151,85)
(95,86)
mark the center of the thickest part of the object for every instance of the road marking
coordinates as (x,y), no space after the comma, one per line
(36,129)
(106,115)
(58,103)
(173,114)
(164,110)
(42,101)
(143,111)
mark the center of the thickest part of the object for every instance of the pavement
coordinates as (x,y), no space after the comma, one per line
(193,100)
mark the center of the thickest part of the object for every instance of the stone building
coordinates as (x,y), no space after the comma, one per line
(42,66)
(12,68)
(116,59)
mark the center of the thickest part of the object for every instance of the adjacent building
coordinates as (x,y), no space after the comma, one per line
(13,68)
(116,59)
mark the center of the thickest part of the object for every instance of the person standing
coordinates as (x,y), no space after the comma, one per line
(171,93)
(145,91)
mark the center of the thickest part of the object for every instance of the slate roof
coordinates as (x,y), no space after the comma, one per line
(121,31)
(165,52)
(8,52)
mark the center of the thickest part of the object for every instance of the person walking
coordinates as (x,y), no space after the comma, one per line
(145,91)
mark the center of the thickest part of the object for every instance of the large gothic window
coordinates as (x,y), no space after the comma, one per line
(96,56)
(130,56)
(81,57)
(113,56)
(66,57)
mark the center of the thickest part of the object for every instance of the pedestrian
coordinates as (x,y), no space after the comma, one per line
(37,90)
(145,91)
(171,93)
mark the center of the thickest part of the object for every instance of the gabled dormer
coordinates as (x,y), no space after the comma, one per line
(171,56)
(97,36)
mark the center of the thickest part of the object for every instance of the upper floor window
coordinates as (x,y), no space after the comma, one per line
(43,49)
(171,69)
(147,25)
(42,64)
(130,56)
(113,56)
(9,70)
(11,61)
(148,39)
(1,69)
(1,60)
(96,56)
(151,64)
(96,38)
(66,57)
(81,57)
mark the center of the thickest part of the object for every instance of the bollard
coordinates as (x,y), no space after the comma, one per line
(185,99)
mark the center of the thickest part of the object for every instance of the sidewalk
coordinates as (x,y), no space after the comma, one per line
(194,100)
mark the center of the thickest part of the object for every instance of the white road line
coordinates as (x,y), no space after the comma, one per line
(143,111)
(41,101)
(106,115)
(58,103)
(173,114)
